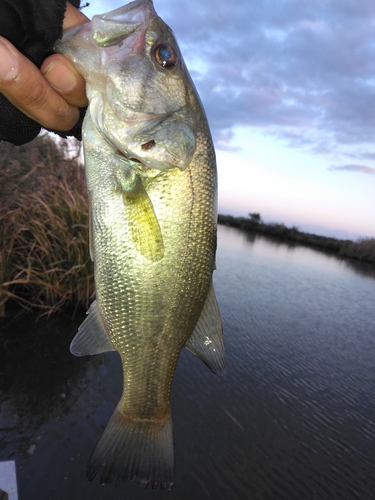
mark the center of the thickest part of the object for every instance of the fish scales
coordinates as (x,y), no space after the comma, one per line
(151,180)
(160,313)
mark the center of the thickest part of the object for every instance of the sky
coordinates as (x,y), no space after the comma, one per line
(289,90)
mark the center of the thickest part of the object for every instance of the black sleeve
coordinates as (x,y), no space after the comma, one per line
(32,26)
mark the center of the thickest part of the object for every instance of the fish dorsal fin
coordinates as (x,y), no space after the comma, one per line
(91,337)
(206,341)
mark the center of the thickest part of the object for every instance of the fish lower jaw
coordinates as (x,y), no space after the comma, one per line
(138,166)
(129,159)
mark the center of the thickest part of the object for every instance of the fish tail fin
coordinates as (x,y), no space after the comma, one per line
(137,450)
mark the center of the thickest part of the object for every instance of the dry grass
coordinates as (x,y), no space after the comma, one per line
(44,257)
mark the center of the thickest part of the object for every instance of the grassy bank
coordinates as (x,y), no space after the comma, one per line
(44,259)
(363,249)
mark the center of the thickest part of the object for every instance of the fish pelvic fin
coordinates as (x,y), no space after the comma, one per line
(136,450)
(143,224)
(91,337)
(206,341)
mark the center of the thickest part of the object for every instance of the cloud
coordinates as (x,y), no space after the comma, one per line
(298,67)
(304,71)
(354,168)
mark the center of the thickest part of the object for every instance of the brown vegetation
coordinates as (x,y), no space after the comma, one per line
(44,257)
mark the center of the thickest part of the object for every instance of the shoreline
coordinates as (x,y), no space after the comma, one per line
(362,250)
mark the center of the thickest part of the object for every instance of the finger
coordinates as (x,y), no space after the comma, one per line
(60,72)
(65,79)
(23,85)
(73,17)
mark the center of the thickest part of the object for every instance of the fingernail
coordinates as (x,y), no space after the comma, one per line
(60,77)
(8,63)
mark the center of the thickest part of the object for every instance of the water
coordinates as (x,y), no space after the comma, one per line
(294,419)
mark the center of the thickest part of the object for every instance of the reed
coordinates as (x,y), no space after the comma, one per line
(44,258)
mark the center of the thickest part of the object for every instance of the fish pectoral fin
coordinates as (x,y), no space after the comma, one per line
(206,341)
(91,337)
(143,224)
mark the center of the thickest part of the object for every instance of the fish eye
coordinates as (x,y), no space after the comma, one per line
(166,55)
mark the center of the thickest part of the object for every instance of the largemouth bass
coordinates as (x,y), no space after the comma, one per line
(152,186)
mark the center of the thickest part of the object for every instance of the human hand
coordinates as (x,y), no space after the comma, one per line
(50,96)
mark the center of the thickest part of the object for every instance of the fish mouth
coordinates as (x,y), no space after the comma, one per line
(112,28)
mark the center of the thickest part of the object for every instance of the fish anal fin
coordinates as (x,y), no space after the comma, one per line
(134,449)
(91,337)
(143,224)
(206,341)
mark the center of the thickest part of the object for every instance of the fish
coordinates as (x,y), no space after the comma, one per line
(152,189)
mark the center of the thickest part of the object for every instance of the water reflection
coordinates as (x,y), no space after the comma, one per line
(41,350)
(300,335)
(294,419)
(39,379)
(235,239)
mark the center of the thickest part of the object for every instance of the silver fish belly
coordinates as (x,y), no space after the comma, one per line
(152,185)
